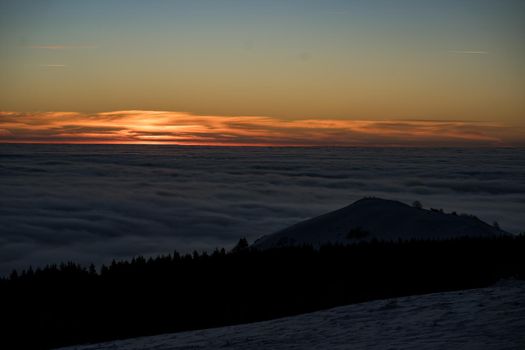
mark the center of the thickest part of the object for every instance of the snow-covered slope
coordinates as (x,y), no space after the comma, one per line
(378,218)
(488,318)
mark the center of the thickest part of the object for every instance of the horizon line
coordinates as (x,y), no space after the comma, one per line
(215,145)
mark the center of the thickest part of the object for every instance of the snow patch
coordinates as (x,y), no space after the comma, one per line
(487,318)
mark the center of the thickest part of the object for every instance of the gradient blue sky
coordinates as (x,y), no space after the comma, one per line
(443,60)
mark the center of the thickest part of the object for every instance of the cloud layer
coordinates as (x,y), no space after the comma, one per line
(99,202)
(162,127)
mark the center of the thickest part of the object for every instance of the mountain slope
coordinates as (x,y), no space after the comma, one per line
(487,318)
(381,219)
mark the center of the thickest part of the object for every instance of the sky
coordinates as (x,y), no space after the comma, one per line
(288,72)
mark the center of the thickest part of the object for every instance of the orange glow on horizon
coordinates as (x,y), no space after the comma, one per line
(166,127)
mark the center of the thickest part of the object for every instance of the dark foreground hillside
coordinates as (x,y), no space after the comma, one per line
(475,319)
(70,304)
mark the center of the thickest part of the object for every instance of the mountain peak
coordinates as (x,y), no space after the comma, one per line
(378,218)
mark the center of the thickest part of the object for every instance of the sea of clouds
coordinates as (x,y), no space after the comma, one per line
(93,203)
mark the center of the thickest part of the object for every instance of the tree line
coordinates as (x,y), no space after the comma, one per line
(70,304)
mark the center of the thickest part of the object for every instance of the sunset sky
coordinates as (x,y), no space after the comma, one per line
(218,72)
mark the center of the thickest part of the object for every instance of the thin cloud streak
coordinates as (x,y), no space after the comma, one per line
(61,47)
(469,52)
(166,127)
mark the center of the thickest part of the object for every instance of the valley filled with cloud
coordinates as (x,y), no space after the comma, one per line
(93,203)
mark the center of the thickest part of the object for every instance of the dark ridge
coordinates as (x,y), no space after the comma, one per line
(380,219)
(70,304)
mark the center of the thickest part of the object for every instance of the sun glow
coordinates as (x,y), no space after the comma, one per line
(166,127)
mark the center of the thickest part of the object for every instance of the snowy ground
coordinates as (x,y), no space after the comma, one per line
(489,318)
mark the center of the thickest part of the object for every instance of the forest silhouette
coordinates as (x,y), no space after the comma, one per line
(70,304)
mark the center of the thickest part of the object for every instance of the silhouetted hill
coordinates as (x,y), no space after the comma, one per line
(381,219)
(70,304)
